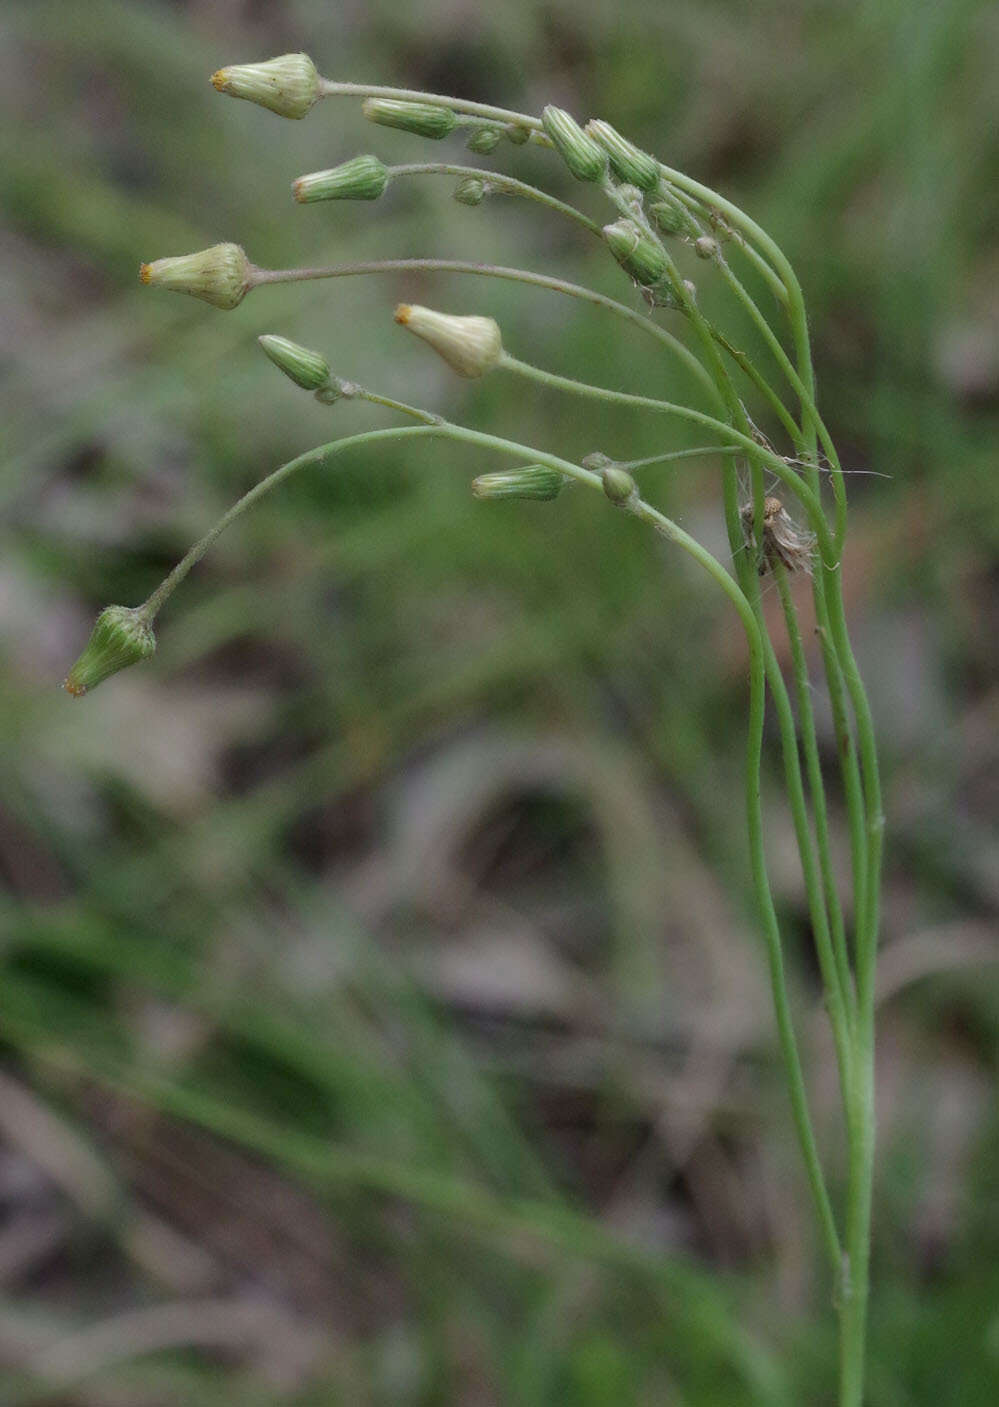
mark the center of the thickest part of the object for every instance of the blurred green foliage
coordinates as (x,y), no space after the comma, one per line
(379,992)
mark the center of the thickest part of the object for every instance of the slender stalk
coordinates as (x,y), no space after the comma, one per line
(806,721)
(500,185)
(328,88)
(525,276)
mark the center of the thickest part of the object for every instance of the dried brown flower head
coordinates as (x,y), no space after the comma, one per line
(783,540)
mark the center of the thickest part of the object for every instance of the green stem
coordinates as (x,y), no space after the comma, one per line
(784,471)
(837,994)
(761,883)
(806,719)
(500,185)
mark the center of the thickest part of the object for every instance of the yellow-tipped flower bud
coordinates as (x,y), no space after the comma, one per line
(423,119)
(533,481)
(628,162)
(307,369)
(360,178)
(585,159)
(619,486)
(637,254)
(122,636)
(470,346)
(288,85)
(220,275)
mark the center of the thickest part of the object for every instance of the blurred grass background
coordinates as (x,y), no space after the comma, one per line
(381,1010)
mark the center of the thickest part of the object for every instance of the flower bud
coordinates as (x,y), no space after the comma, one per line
(360,178)
(307,369)
(618,484)
(470,346)
(484,140)
(288,85)
(220,275)
(637,254)
(517,134)
(423,119)
(705,247)
(122,636)
(584,158)
(628,162)
(669,214)
(470,191)
(533,481)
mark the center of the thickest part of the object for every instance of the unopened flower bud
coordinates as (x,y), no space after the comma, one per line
(618,484)
(360,178)
(220,275)
(596,460)
(669,214)
(470,191)
(533,481)
(517,133)
(288,85)
(705,247)
(627,161)
(585,159)
(423,119)
(637,254)
(484,140)
(471,346)
(122,636)
(307,369)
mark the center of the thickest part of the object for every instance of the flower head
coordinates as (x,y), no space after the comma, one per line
(122,636)
(220,275)
(288,85)
(471,346)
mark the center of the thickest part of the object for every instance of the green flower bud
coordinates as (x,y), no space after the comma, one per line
(307,369)
(618,484)
(517,134)
(705,247)
(669,214)
(122,636)
(584,158)
(360,178)
(470,191)
(220,275)
(484,140)
(470,346)
(637,254)
(288,85)
(533,481)
(424,119)
(627,161)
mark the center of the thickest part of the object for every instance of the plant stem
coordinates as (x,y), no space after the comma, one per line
(806,721)
(501,185)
